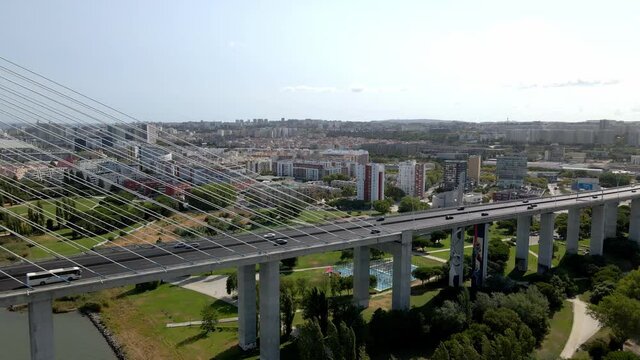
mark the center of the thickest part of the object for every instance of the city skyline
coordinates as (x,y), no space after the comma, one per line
(334,61)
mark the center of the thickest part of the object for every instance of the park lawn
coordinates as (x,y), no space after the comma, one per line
(419,297)
(532,264)
(421,261)
(559,330)
(139,321)
(320,216)
(82,205)
(320,259)
(314,278)
(444,244)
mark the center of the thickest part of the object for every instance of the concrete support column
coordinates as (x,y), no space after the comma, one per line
(41,330)
(573,230)
(361,256)
(247,314)
(597,230)
(522,242)
(456,260)
(634,221)
(545,245)
(610,219)
(270,310)
(401,294)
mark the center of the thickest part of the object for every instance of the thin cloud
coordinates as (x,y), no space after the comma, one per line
(309,89)
(574,83)
(333,89)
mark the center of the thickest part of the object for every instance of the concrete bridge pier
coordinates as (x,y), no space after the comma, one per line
(610,219)
(41,329)
(401,287)
(545,245)
(573,230)
(522,242)
(597,230)
(270,310)
(361,256)
(634,221)
(456,260)
(247,317)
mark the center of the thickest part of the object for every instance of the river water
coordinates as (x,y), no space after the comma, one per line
(75,337)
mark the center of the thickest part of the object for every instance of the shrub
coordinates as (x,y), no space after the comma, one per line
(90,307)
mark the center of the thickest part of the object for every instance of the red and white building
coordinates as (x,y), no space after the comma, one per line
(411,178)
(370,182)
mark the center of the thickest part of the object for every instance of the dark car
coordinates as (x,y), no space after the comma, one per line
(530,207)
(380,219)
(193,245)
(534,205)
(461,208)
(280,241)
(525,201)
(633,191)
(595,196)
(375,231)
(449,217)
(484,214)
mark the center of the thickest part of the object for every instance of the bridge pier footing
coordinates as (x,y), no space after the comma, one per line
(41,329)
(456,260)
(247,317)
(597,230)
(545,244)
(573,230)
(522,242)
(361,257)
(634,221)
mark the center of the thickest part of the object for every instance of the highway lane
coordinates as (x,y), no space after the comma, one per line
(330,233)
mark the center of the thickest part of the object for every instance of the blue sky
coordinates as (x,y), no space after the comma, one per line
(345,60)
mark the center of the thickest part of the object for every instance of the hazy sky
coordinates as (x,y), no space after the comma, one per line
(347,60)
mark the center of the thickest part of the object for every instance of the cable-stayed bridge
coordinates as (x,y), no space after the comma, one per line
(49,117)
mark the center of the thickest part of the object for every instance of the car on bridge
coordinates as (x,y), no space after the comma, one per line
(448,217)
(269,236)
(179,245)
(280,241)
(375,231)
(380,219)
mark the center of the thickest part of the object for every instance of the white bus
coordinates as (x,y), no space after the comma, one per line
(53,276)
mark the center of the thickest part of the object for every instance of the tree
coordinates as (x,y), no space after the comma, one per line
(561,225)
(408,204)
(232,283)
(498,256)
(209,319)
(438,235)
(311,342)
(382,206)
(621,355)
(609,179)
(211,196)
(289,263)
(532,307)
(316,306)
(287,310)
(424,273)
(394,192)
(620,313)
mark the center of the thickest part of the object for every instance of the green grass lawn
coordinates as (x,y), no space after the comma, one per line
(139,320)
(320,216)
(320,259)
(560,328)
(445,254)
(420,261)
(82,205)
(532,264)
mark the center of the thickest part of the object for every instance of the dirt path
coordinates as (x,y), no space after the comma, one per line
(584,327)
